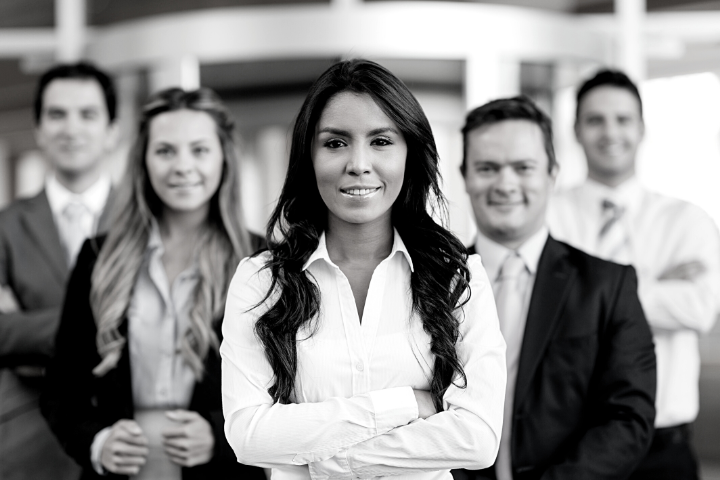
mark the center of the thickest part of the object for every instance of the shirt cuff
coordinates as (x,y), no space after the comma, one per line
(393,408)
(335,468)
(96,449)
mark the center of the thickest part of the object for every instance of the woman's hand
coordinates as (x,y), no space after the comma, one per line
(191,442)
(125,449)
(426,407)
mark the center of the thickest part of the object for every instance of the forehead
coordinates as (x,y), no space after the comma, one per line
(608,99)
(507,140)
(348,110)
(74,93)
(182,126)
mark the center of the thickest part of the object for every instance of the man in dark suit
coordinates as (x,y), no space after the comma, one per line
(581,365)
(40,237)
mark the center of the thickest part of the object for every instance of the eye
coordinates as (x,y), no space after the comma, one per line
(163,151)
(334,143)
(55,114)
(524,168)
(486,169)
(594,121)
(200,150)
(89,114)
(381,142)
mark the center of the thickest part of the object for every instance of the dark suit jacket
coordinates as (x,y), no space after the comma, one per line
(77,405)
(33,265)
(585,390)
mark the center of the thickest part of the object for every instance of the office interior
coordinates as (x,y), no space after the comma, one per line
(262,55)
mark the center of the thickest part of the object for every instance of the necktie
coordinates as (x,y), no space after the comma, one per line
(73,229)
(613,242)
(509,297)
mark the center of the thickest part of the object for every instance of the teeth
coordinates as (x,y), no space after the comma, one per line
(360,191)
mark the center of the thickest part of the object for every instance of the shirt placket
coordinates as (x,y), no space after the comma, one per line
(353,335)
(166,332)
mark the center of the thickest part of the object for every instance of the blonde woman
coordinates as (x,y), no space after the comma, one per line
(134,388)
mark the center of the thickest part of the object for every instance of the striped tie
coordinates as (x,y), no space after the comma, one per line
(613,241)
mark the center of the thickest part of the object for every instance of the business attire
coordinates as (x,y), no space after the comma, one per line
(354,413)
(37,248)
(149,378)
(581,403)
(655,233)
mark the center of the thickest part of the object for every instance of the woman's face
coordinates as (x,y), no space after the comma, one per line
(184,159)
(359,158)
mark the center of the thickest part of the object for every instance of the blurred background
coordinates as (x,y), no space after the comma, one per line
(261,56)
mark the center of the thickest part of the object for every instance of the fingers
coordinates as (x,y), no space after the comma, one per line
(125,450)
(182,416)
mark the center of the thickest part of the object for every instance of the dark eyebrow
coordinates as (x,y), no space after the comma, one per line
(334,131)
(377,131)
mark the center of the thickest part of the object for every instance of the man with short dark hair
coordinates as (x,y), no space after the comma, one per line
(674,247)
(40,237)
(581,367)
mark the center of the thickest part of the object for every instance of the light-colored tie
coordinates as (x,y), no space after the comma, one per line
(73,229)
(613,240)
(509,297)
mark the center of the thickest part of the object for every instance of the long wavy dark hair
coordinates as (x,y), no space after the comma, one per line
(440,281)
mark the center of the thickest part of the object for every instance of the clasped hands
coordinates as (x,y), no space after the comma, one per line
(188,443)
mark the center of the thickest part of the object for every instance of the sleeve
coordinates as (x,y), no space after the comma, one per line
(26,337)
(268,434)
(67,402)
(686,304)
(467,433)
(622,396)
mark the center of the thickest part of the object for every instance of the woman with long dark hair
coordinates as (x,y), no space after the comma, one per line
(134,388)
(364,342)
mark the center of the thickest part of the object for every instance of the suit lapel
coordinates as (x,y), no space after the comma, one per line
(40,225)
(552,283)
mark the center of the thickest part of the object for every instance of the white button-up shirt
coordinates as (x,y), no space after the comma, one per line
(663,233)
(94,199)
(355,414)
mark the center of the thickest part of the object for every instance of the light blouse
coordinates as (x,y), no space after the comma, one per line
(355,415)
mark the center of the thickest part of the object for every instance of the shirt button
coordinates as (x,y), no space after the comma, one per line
(359,366)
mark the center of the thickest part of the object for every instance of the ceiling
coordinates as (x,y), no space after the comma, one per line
(39,13)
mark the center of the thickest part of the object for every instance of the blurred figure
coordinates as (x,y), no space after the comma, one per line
(674,247)
(134,388)
(364,343)
(581,367)
(39,240)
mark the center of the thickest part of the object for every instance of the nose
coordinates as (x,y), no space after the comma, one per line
(359,161)
(507,180)
(183,162)
(71,125)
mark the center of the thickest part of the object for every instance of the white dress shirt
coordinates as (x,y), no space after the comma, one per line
(663,232)
(355,414)
(93,199)
(494,256)
(158,317)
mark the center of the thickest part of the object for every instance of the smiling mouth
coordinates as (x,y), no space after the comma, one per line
(359,192)
(184,185)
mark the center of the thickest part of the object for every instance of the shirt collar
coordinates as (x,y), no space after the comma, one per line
(628,194)
(321,252)
(93,198)
(493,254)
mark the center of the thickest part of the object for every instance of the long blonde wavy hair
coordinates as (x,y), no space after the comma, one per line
(221,247)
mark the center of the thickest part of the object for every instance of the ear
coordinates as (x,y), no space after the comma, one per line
(112,137)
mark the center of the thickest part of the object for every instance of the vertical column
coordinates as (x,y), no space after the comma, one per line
(630,39)
(70,25)
(5,174)
(183,72)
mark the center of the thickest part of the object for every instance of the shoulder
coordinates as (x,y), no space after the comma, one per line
(251,273)
(21,206)
(590,268)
